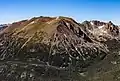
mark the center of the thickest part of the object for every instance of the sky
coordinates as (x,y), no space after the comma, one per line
(80,10)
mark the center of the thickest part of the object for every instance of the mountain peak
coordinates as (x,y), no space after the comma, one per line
(57,43)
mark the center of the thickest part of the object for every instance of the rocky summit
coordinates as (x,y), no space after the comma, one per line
(59,49)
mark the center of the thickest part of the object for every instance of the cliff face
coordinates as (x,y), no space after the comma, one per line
(54,47)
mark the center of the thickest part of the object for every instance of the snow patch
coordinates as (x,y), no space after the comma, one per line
(65,35)
(82,74)
(100,26)
(67,24)
(119,53)
(57,18)
(104,31)
(91,23)
(31,75)
(113,62)
(1,44)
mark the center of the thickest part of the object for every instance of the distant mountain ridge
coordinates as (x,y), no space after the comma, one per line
(2,26)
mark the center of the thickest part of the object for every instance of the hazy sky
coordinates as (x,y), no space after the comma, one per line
(80,10)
